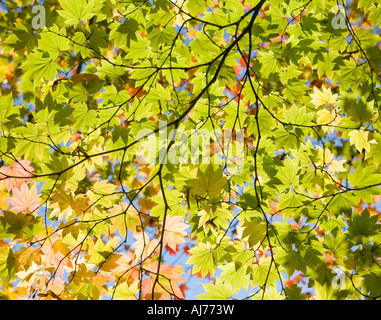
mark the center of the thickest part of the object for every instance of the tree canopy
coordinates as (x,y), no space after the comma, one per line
(148,146)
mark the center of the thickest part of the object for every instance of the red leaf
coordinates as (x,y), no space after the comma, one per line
(171,251)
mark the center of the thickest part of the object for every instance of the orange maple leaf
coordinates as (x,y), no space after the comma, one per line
(144,246)
(56,256)
(25,199)
(20,168)
(169,277)
(174,232)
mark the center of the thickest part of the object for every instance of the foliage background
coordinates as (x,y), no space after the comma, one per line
(82,218)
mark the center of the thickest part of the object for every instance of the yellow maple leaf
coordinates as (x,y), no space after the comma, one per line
(327,158)
(174,232)
(3,193)
(124,218)
(102,193)
(323,97)
(359,138)
(64,204)
(337,166)
(144,246)
(61,203)
(329,118)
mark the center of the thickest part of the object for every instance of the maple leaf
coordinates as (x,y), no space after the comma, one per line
(324,97)
(144,246)
(327,158)
(121,264)
(174,232)
(337,166)
(61,203)
(147,285)
(20,168)
(25,199)
(218,291)
(76,10)
(125,291)
(55,255)
(3,193)
(64,205)
(124,218)
(84,131)
(330,119)
(209,182)
(253,231)
(203,259)
(102,193)
(34,276)
(169,277)
(171,251)
(359,138)
(56,285)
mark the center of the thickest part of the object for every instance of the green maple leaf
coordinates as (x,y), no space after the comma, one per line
(235,274)
(202,44)
(75,11)
(123,33)
(292,260)
(349,71)
(111,94)
(23,37)
(209,182)
(298,115)
(337,245)
(174,199)
(363,177)
(327,66)
(39,65)
(196,6)
(8,266)
(372,284)
(270,294)
(139,49)
(343,202)
(31,144)
(218,291)
(294,293)
(359,110)
(125,291)
(288,174)
(111,70)
(362,226)
(14,224)
(293,91)
(99,252)
(292,72)
(269,62)
(53,42)
(102,193)
(373,54)
(81,45)
(161,37)
(84,118)
(254,232)
(262,273)
(203,259)
(7,110)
